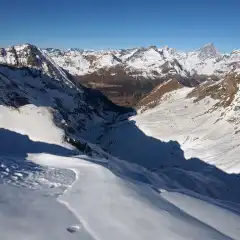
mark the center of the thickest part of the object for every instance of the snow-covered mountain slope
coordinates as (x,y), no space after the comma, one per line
(126,183)
(146,62)
(132,201)
(150,62)
(80,62)
(207,61)
(25,120)
(78,111)
(153,62)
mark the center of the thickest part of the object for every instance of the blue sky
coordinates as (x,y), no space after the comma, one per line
(182,24)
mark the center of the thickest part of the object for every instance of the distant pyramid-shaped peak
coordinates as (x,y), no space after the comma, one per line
(208,51)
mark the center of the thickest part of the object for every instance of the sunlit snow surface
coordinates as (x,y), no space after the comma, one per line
(146,60)
(202,132)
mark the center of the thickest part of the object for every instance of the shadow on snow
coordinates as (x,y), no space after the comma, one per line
(166,161)
(14,149)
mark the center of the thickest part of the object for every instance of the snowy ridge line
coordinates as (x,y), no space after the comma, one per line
(149,62)
(67,81)
(66,204)
(33,158)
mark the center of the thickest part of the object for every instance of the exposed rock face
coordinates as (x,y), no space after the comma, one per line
(208,51)
(154,97)
(224,90)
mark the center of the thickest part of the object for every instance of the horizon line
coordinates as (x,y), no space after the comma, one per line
(112,49)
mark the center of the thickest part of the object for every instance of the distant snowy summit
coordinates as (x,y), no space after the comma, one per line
(151,62)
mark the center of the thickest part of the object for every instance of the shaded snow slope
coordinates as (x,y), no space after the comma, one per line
(30,215)
(189,137)
(129,200)
(203,130)
(110,199)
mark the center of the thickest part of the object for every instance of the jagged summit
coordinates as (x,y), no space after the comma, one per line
(208,45)
(208,51)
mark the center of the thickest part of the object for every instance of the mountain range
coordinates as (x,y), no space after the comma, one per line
(151,62)
(127,75)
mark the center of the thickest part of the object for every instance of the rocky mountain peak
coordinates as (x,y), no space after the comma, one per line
(153,47)
(208,51)
(21,55)
(236,52)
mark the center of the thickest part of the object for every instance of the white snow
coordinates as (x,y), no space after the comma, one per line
(111,207)
(146,60)
(73,61)
(27,214)
(106,60)
(36,122)
(109,199)
(199,133)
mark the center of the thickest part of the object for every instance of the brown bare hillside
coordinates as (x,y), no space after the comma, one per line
(153,98)
(118,86)
(126,87)
(223,90)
